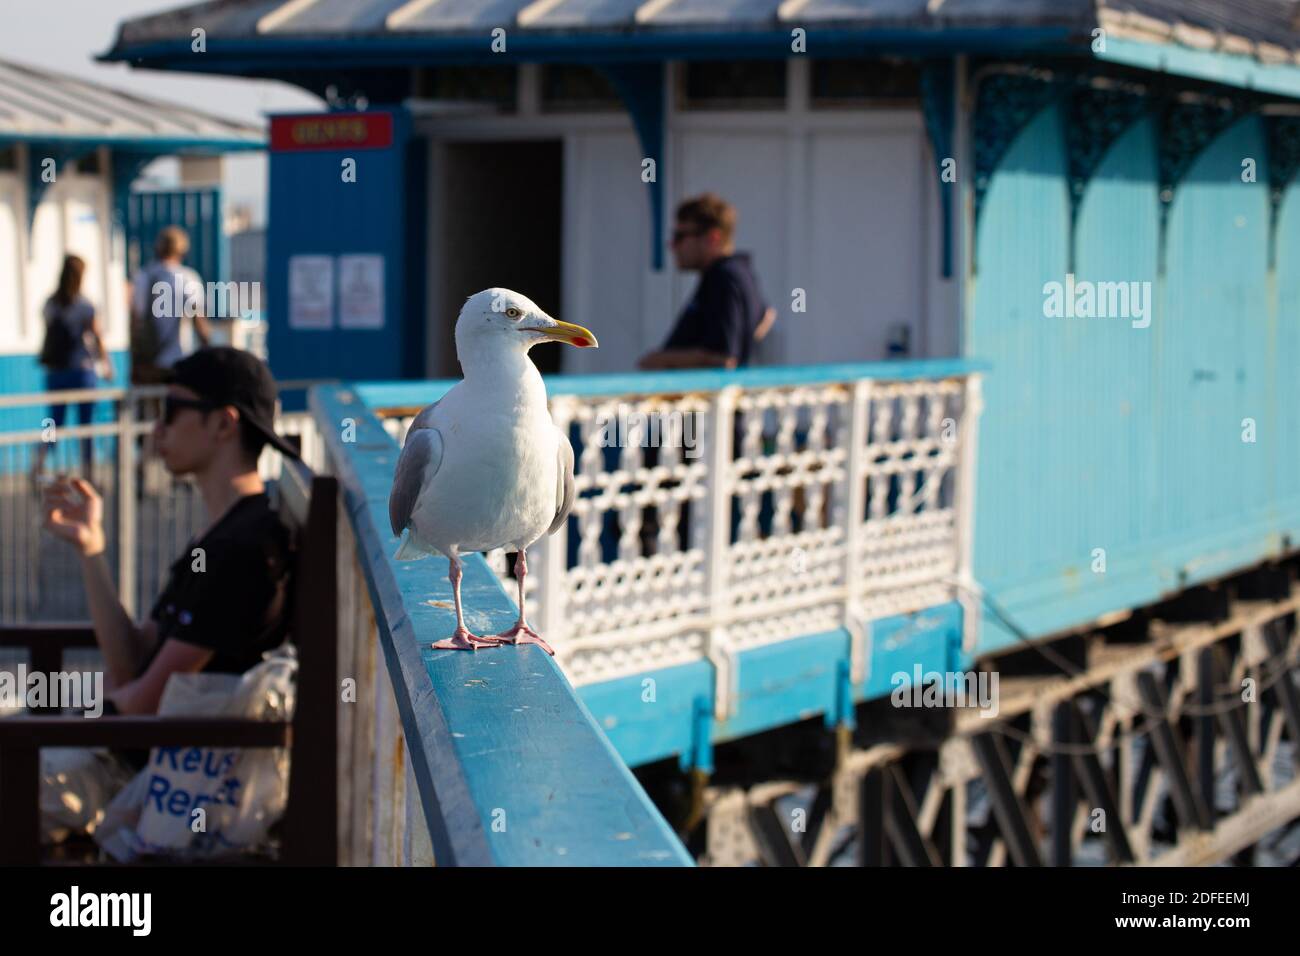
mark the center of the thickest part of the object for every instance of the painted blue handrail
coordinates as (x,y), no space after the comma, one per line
(511,767)
(403,394)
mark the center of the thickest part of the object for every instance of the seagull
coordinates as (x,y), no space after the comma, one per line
(484,467)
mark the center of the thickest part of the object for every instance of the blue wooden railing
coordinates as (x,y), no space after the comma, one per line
(510,765)
(391,394)
(776,685)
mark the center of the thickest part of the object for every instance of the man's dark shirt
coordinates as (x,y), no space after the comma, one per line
(724,311)
(237,604)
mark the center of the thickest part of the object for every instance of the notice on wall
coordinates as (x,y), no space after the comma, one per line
(361,291)
(311,292)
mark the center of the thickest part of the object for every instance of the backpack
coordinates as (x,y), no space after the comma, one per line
(146,343)
(56,350)
(147,340)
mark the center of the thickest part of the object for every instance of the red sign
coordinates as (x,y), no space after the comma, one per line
(291,134)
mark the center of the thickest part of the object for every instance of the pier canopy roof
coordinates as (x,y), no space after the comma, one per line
(39,105)
(1247,42)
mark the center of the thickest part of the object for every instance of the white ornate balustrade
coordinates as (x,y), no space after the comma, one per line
(677,554)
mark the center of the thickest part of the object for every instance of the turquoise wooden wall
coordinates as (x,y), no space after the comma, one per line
(1285,291)
(1099,435)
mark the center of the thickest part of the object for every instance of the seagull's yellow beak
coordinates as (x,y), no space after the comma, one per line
(566,332)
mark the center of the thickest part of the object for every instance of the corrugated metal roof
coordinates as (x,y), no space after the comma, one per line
(1253,21)
(39,104)
(1271,21)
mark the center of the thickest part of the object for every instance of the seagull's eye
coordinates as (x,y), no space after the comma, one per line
(513,312)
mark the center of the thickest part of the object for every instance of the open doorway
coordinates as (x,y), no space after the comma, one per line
(500,225)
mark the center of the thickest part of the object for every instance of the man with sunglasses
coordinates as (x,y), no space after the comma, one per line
(727,314)
(225,599)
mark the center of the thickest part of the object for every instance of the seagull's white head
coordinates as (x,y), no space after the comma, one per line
(496,319)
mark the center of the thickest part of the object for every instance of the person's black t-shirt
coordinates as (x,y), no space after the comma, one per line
(724,311)
(228,590)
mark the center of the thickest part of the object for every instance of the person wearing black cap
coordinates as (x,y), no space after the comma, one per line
(225,599)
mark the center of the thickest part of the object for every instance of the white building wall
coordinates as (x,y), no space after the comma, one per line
(607,247)
(74,216)
(747,165)
(13,220)
(841,204)
(867,266)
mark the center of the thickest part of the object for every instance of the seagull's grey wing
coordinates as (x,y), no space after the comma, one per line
(564,481)
(425,418)
(421,456)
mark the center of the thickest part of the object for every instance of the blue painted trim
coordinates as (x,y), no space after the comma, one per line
(1231,69)
(778,684)
(699,756)
(38,151)
(492,731)
(1060,599)
(938,100)
(160,146)
(393,394)
(126,168)
(843,714)
(415,271)
(276,55)
(641,87)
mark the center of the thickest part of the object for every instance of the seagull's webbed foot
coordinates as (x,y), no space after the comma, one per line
(463,640)
(521,633)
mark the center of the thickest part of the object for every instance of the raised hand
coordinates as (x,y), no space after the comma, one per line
(74,511)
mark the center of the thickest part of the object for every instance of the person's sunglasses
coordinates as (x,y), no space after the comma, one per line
(175,404)
(680,234)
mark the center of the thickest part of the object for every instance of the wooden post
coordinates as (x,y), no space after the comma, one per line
(20,834)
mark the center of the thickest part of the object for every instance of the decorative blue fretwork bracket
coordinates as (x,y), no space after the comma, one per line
(126,166)
(45,160)
(1283,134)
(641,88)
(1093,119)
(1005,103)
(939,103)
(1186,128)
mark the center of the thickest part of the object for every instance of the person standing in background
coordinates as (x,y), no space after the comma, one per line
(166,293)
(73,355)
(726,315)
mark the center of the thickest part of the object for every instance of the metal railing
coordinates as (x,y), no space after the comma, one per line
(148,514)
(770,505)
(811,499)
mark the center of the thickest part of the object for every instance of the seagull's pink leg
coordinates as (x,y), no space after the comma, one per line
(461,639)
(521,633)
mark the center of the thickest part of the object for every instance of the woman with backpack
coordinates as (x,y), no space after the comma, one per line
(73,354)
